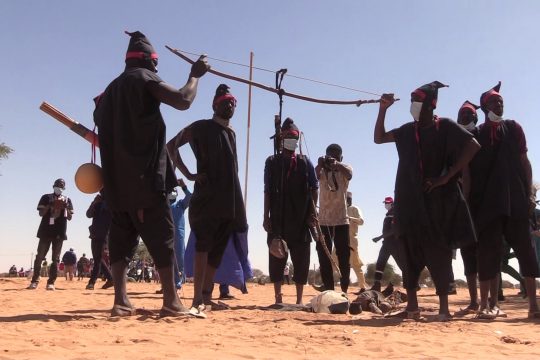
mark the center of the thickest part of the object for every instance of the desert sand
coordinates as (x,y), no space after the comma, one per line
(74,323)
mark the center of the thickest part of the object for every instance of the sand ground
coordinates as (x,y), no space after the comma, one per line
(74,323)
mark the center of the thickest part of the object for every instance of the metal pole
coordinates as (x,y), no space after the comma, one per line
(248,129)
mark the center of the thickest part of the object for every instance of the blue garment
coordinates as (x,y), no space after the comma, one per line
(69,258)
(235,268)
(178,208)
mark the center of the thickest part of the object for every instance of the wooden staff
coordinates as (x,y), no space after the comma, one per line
(317,233)
(73,125)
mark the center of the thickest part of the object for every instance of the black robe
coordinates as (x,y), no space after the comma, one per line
(220,198)
(137,171)
(290,208)
(440,216)
(498,181)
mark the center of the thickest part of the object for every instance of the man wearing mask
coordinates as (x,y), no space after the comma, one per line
(55,210)
(501,203)
(137,171)
(429,210)
(468,119)
(290,190)
(334,177)
(390,246)
(216,207)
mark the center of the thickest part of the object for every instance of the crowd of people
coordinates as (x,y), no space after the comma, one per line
(459,185)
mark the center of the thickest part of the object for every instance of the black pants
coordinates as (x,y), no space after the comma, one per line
(490,247)
(390,247)
(42,250)
(300,253)
(99,263)
(338,236)
(157,233)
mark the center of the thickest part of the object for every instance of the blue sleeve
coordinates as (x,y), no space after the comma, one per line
(185,200)
(312,178)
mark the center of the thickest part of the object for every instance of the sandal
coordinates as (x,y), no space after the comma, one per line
(498,312)
(213,306)
(485,314)
(122,310)
(534,314)
(168,312)
(198,311)
(467,311)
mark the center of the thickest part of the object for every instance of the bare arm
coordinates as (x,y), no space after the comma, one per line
(470,148)
(180,99)
(183,137)
(380,135)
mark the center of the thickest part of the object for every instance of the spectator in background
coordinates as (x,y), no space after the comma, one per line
(70,261)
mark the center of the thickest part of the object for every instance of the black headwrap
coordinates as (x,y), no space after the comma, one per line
(428,93)
(288,126)
(485,96)
(139,47)
(222,93)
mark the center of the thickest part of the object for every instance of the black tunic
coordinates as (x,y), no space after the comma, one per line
(136,167)
(442,215)
(289,210)
(498,181)
(220,198)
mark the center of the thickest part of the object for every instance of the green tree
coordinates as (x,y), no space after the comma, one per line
(5,151)
(389,274)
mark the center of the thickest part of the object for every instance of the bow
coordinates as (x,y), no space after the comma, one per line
(273,90)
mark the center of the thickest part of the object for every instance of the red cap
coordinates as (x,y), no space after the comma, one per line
(388,200)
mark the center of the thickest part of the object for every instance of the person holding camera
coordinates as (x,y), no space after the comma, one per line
(55,210)
(334,177)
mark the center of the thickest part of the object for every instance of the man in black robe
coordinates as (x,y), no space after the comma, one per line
(290,192)
(390,246)
(501,202)
(468,118)
(216,207)
(430,211)
(137,171)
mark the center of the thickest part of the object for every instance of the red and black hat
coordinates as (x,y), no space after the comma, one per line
(468,105)
(428,93)
(388,200)
(494,91)
(139,47)
(223,93)
(289,127)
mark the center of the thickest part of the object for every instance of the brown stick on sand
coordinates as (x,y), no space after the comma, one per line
(73,125)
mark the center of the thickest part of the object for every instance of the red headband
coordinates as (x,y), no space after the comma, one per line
(486,97)
(422,95)
(140,55)
(468,106)
(224,97)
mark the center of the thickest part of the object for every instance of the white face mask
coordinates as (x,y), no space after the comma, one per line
(416,108)
(494,117)
(57,191)
(290,144)
(470,126)
(387,206)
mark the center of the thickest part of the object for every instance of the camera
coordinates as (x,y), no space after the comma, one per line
(328,162)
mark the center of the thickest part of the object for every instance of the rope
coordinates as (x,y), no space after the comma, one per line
(289,75)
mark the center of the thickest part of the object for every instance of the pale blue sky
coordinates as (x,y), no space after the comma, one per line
(66,52)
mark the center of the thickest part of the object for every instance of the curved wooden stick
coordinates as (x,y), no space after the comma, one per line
(273,90)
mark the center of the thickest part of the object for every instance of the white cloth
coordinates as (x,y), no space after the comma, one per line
(333,198)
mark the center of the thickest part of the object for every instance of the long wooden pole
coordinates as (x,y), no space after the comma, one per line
(248,128)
